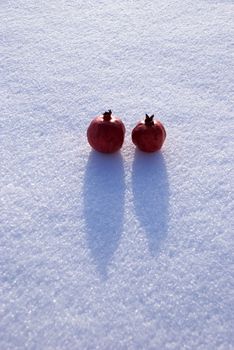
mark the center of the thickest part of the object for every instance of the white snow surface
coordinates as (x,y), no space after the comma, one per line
(122,251)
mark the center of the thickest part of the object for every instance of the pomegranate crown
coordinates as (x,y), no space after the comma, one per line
(149,119)
(107,115)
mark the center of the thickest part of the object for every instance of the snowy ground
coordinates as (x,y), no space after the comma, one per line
(128,251)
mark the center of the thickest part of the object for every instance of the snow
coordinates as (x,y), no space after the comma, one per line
(123,251)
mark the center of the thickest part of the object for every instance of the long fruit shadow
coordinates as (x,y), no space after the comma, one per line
(151,196)
(103,206)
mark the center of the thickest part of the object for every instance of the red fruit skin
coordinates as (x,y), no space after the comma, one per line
(106,136)
(149,138)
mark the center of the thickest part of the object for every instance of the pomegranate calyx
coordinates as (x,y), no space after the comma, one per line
(107,115)
(149,120)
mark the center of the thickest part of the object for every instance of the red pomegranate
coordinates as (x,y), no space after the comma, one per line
(106,133)
(149,135)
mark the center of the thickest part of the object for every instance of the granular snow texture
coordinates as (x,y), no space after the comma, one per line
(130,250)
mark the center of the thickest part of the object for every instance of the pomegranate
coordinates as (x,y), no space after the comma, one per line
(149,135)
(106,133)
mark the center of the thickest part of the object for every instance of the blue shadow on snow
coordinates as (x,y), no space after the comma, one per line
(104,189)
(151,196)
